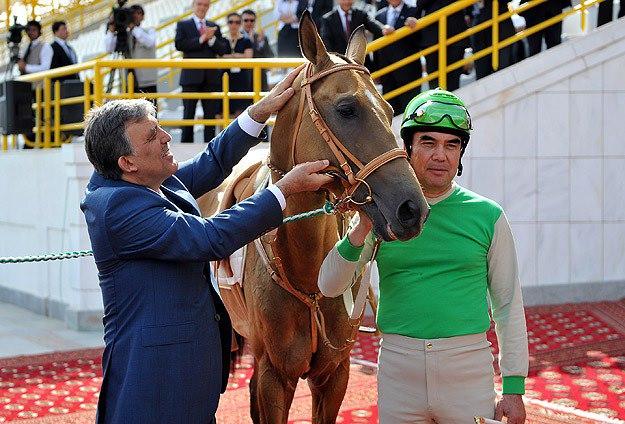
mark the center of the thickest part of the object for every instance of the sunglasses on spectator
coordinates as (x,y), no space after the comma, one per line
(235,22)
(249,20)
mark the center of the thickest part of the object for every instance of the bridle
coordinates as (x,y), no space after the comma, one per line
(351,181)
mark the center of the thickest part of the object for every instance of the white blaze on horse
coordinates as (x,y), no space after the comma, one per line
(294,332)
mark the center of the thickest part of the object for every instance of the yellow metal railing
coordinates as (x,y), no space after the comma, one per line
(48,99)
(48,129)
(440,18)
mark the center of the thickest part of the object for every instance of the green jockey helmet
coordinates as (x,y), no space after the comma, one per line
(436,111)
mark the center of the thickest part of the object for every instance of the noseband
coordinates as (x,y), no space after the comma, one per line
(351,181)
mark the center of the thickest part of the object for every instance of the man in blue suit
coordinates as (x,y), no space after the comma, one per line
(166,332)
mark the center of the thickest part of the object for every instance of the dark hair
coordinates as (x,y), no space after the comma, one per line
(57,25)
(248,12)
(136,8)
(106,139)
(233,14)
(33,23)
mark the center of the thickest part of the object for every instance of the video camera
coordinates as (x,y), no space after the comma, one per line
(121,18)
(14,38)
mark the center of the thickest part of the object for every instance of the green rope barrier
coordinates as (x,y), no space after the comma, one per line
(327,209)
(43,258)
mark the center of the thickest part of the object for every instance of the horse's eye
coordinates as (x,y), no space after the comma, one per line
(346,111)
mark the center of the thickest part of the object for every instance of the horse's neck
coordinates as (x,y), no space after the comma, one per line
(302,245)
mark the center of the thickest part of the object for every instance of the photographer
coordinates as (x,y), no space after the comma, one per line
(38,55)
(141,45)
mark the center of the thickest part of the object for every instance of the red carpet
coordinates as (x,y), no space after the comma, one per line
(577,360)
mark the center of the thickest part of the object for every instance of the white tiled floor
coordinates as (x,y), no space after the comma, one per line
(25,333)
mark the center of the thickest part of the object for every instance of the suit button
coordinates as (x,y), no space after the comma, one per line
(217,317)
(429,346)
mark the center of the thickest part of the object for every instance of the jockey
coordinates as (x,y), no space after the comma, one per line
(439,290)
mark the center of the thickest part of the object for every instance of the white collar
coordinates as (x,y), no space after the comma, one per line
(197,19)
(437,199)
(60,41)
(398,8)
(343,13)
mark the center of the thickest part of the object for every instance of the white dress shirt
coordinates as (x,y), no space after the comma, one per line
(254,128)
(342,14)
(392,13)
(45,58)
(287,7)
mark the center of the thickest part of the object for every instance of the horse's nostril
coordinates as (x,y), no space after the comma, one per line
(408,213)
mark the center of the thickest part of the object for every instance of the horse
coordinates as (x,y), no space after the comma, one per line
(292,330)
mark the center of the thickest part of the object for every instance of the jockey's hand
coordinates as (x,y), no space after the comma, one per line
(277,97)
(359,232)
(304,177)
(511,407)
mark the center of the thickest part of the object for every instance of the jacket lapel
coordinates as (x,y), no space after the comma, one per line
(182,199)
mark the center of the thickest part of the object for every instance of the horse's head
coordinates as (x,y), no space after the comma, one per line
(359,144)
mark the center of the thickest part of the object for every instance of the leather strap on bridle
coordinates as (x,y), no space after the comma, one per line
(342,154)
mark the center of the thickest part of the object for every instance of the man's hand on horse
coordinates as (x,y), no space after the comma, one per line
(277,97)
(304,177)
(511,407)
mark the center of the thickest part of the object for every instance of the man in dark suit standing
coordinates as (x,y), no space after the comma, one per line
(259,41)
(317,9)
(166,331)
(540,13)
(456,23)
(337,26)
(62,53)
(393,17)
(198,38)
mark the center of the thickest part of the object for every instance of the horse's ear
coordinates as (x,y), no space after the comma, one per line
(310,43)
(357,46)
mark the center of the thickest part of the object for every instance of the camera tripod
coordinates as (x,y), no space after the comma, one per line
(120,72)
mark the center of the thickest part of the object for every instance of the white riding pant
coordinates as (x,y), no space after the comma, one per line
(443,381)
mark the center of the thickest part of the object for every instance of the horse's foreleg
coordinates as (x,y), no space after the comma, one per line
(254,412)
(274,394)
(328,392)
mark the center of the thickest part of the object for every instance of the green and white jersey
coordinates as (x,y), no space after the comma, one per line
(438,285)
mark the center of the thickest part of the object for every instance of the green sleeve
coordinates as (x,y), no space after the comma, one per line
(348,251)
(514,385)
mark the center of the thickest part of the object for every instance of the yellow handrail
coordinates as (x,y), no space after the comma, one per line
(46,102)
(48,133)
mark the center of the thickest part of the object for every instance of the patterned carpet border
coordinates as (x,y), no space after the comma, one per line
(44,358)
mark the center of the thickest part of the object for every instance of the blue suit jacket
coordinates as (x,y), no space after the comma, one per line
(166,332)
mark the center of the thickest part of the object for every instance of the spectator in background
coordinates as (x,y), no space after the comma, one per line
(259,41)
(38,54)
(36,58)
(239,47)
(198,38)
(62,53)
(394,17)
(537,14)
(317,9)
(337,26)
(288,42)
(484,39)
(456,23)
(142,45)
